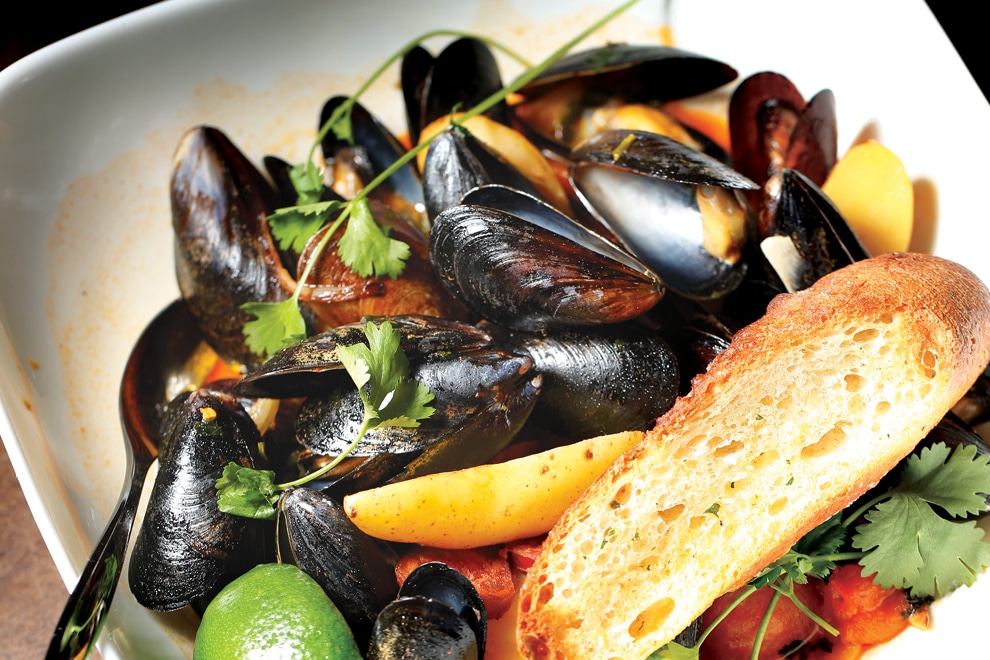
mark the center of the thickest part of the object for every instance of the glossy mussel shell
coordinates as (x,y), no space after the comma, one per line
(601,380)
(224,252)
(520,263)
(810,238)
(482,399)
(312,365)
(356,571)
(438,614)
(637,72)
(644,187)
(187,547)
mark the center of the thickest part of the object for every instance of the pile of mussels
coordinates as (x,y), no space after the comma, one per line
(581,303)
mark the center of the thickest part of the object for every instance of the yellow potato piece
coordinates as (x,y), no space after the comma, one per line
(488,504)
(873,191)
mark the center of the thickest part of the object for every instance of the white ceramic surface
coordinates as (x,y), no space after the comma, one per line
(87,128)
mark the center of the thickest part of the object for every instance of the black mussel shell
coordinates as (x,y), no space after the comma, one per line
(463,75)
(356,571)
(646,188)
(438,614)
(311,365)
(373,151)
(637,72)
(224,252)
(482,398)
(518,262)
(810,238)
(602,380)
(187,547)
(457,162)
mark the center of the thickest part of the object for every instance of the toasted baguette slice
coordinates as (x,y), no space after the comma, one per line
(805,411)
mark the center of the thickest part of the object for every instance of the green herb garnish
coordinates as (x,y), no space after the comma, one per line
(905,542)
(380,370)
(365,248)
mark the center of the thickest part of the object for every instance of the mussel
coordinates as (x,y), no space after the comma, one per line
(600,380)
(187,548)
(524,265)
(462,75)
(438,614)
(809,237)
(482,399)
(584,92)
(673,207)
(356,571)
(224,251)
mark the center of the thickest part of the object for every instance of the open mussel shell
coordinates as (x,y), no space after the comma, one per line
(456,163)
(641,72)
(601,380)
(356,571)
(224,252)
(648,190)
(810,238)
(373,151)
(462,75)
(311,365)
(482,399)
(522,264)
(187,548)
(772,127)
(438,614)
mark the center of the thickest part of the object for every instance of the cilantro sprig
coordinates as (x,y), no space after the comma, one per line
(380,371)
(915,537)
(366,246)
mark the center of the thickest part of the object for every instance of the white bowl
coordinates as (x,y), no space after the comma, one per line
(87,129)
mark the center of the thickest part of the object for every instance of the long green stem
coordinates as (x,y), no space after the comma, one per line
(345,107)
(749,591)
(855,515)
(329,466)
(761,632)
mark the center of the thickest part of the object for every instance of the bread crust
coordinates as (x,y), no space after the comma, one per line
(807,408)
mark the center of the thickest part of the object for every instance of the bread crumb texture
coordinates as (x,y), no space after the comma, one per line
(806,410)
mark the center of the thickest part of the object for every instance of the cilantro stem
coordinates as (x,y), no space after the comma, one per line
(855,515)
(761,632)
(346,106)
(749,591)
(798,603)
(332,464)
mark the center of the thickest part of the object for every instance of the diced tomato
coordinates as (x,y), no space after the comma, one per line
(488,572)
(789,628)
(523,553)
(865,613)
(221,371)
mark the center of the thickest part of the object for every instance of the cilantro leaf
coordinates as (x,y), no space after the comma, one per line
(366,247)
(392,399)
(293,226)
(675,651)
(307,181)
(909,546)
(247,492)
(955,482)
(275,326)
